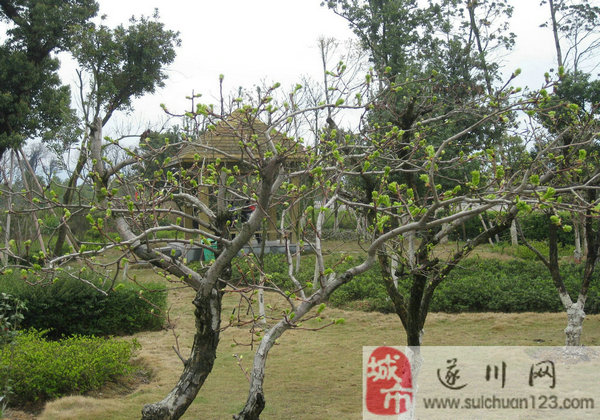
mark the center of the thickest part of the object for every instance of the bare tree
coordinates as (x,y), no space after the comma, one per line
(575,27)
(178,199)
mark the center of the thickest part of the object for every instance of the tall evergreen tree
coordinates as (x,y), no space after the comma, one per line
(118,65)
(33,102)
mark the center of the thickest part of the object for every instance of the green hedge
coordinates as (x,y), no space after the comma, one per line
(37,369)
(534,226)
(346,220)
(523,252)
(509,286)
(366,290)
(69,306)
(275,266)
(479,285)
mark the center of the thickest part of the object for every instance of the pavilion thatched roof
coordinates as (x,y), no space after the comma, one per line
(236,139)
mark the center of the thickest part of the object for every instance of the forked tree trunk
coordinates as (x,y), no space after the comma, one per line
(575,310)
(408,309)
(200,363)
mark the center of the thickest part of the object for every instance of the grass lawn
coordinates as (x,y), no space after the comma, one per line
(316,369)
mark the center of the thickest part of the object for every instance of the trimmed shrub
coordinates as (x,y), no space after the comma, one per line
(69,306)
(10,316)
(346,220)
(479,285)
(524,253)
(534,226)
(365,292)
(38,369)
(508,286)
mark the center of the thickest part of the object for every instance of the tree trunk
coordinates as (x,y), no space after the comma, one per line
(559,59)
(416,363)
(412,260)
(361,224)
(575,317)
(256,398)
(514,237)
(8,209)
(319,264)
(485,229)
(408,310)
(301,224)
(576,312)
(336,220)
(200,363)
(36,224)
(577,254)
(262,316)
(486,73)
(394,268)
(68,196)
(584,235)
(414,337)
(445,239)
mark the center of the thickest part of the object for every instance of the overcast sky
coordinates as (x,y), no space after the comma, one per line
(274,40)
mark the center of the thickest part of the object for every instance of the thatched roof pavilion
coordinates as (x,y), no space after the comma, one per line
(239,140)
